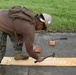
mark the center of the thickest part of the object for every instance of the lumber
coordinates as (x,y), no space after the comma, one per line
(50,61)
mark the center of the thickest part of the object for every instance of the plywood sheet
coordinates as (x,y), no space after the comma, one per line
(51,61)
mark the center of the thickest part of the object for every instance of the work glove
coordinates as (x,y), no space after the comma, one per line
(18,56)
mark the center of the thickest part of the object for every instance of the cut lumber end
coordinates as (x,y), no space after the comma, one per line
(37,50)
(52,43)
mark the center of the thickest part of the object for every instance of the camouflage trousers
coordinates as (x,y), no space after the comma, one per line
(3,43)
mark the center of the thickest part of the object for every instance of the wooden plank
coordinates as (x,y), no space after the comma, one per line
(47,62)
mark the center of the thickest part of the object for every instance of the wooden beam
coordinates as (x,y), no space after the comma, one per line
(47,62)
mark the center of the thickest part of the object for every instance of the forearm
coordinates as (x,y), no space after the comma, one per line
(29,47)
(33,54)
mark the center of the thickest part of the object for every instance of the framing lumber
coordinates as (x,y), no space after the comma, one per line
(50,61)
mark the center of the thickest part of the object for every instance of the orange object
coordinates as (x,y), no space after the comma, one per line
(52,43)
(37,50)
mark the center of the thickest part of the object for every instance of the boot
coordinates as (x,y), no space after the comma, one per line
(2,72)
(18,56)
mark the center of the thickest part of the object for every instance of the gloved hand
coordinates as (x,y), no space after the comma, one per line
(18,56)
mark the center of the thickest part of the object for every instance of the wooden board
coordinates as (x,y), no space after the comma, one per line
(47,62)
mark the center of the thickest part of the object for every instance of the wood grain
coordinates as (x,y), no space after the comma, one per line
(51,61)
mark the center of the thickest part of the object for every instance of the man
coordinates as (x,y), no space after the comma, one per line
(21,31)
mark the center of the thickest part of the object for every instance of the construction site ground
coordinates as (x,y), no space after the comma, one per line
(62,49)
